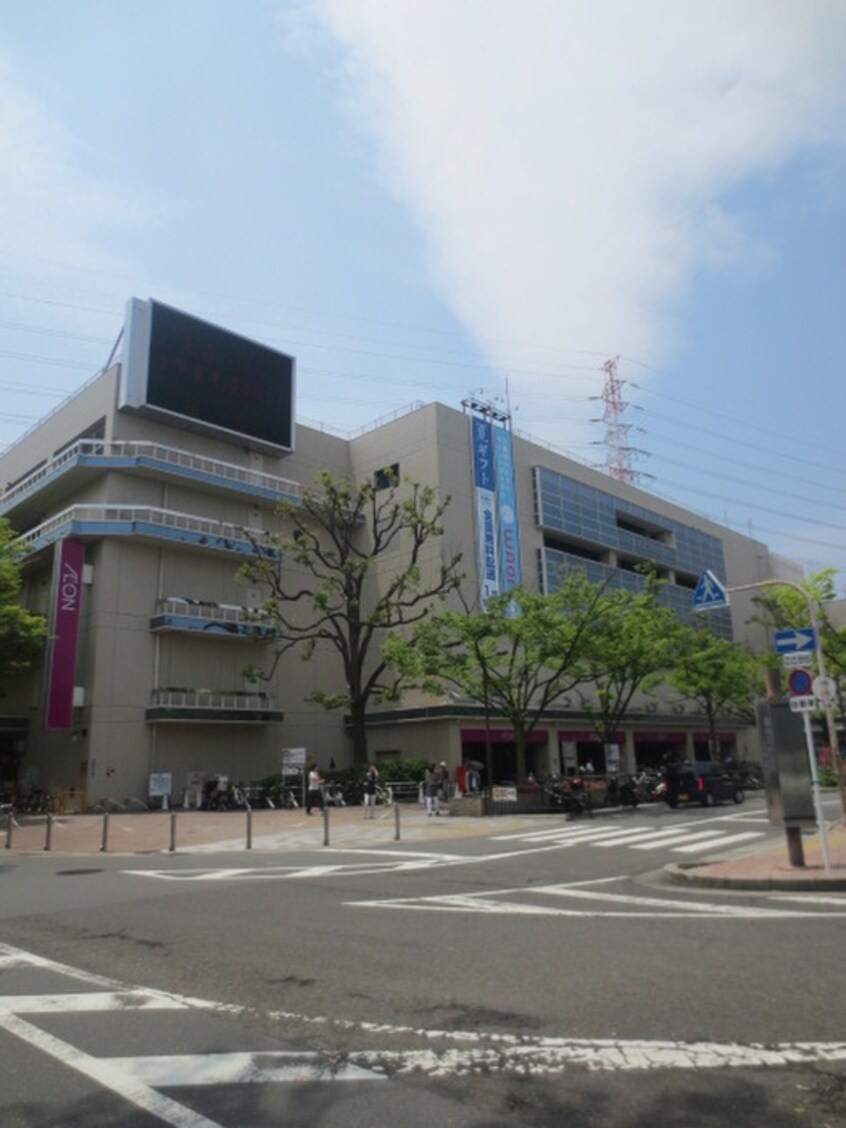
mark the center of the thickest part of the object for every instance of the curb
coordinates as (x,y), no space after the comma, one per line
(693,874)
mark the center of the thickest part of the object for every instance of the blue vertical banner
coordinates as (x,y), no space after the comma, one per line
(509,543)
(483,473)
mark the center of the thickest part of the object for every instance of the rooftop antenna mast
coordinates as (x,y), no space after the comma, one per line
(619,455)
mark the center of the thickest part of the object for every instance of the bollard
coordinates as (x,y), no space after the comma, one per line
(48,833)
(325,825)
(249,828)
(172,831)
(9,825)
(396,823)
(104,840)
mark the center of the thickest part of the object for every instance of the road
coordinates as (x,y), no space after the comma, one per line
(536,977)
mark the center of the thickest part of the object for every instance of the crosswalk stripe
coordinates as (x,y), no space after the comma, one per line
(731,839)
(679,839)
(646,835)
(711,835)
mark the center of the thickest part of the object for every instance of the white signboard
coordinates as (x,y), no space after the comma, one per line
(799,660)
(293,758)
(504,794)
(160,785)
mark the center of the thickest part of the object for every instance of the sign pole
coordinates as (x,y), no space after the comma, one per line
(815,788)
(831,724)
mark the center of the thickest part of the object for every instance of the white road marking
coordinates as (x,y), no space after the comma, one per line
(462,1052)
(168,1071)
(662,838)
(105,1073)
(79,1002)
(500,901)
(731,840)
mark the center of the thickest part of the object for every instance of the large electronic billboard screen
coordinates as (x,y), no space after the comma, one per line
(194,374)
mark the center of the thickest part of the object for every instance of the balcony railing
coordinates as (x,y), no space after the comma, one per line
(212,705)
(166,459)
(180,613)
(143,520)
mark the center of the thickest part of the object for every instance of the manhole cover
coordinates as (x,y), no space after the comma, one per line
(76,872)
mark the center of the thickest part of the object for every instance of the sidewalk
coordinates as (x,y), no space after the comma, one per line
(213,832)
(218,832)
(769,868)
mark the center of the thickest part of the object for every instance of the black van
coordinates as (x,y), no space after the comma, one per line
(704,782)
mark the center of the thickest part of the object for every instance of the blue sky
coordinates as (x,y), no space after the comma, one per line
(422,199)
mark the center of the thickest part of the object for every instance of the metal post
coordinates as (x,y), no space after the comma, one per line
(48,833)
(104,840)
(325,825)
(172,831)
(830,722)
(795,851)
(396,822)
(815,788)
(9,824)
(249,828)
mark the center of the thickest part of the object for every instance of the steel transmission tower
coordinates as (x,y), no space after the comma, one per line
(619,454)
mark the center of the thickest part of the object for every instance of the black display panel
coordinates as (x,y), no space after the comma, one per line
(214,380)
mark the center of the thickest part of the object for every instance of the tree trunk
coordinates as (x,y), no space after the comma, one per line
(358,733)
(712,736)
(520,754)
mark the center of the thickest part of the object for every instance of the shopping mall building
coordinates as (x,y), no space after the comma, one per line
(139,498)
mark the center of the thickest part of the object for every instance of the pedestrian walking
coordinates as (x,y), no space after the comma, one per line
(314,791)
(371,781)
(430,791)
(443,782)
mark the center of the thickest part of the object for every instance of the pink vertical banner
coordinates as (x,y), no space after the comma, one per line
(65,633)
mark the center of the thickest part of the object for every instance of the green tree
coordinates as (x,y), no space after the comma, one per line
(21,633)
(720,676)
(349,569)
(516,658)
(780,608)
(630,649)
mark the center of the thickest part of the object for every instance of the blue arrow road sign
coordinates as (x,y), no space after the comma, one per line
(709,593)
(801,640)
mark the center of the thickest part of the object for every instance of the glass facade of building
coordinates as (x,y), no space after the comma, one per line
(608,538)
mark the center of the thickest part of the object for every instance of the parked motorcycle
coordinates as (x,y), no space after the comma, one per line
(333,795)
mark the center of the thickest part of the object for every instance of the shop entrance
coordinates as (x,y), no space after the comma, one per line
(657,749)
(503,752)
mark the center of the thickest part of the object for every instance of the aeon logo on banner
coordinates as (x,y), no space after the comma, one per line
(69,583)
(65,630)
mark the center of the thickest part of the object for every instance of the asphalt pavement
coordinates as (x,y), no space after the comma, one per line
(765,866)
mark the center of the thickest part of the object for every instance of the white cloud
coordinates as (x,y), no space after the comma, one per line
(568,163)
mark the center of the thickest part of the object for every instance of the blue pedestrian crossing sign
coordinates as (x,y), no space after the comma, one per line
(709,593)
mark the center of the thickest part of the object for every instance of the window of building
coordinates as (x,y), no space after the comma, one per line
(387,477)
(629,524)
(575,548)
